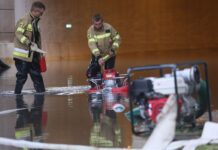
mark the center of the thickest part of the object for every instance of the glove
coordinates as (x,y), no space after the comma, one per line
(97,54)
(33,46)
(101,61)
(112,52)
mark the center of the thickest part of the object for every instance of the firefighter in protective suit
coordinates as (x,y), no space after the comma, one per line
(27,39)
(103,40)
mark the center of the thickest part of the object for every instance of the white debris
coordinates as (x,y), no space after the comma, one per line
(209,135)
(36,145)
(164,132)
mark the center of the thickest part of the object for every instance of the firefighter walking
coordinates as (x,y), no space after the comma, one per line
(27,40)
(103,41)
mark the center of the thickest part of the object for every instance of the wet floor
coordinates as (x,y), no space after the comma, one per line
(66,118)
(62,119)
(73,119)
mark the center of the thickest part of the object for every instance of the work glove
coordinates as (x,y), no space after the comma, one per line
(97,54)
(33,46)
(101,61)
(112,52)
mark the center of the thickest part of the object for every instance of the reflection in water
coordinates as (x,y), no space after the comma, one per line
(31,121)
(106,131)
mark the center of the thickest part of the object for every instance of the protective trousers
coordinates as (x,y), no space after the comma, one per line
(23,69)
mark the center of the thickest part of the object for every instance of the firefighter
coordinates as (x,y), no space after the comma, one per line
(103,41)
(27,39)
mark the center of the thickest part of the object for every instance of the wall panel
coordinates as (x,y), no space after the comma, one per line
(6,20)
(169,30)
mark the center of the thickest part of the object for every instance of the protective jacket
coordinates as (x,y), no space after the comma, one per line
(104,41)
(26,31)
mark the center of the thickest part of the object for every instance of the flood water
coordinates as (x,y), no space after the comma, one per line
(70,119)
(60,119)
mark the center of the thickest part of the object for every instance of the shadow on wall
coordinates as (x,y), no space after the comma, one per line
(3,66)
(6,50)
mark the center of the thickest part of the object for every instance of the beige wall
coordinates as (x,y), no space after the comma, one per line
(6,20)
(145,25)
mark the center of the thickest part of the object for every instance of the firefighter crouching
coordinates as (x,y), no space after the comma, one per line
(103,41)
(27,39)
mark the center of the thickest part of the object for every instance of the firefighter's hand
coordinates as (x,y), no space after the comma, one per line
(111,53)
(97,54)
(101,61)
(33,46)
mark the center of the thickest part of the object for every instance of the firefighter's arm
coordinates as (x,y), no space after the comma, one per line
(116,39)
(92,44)
(106,57)
(21,27)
